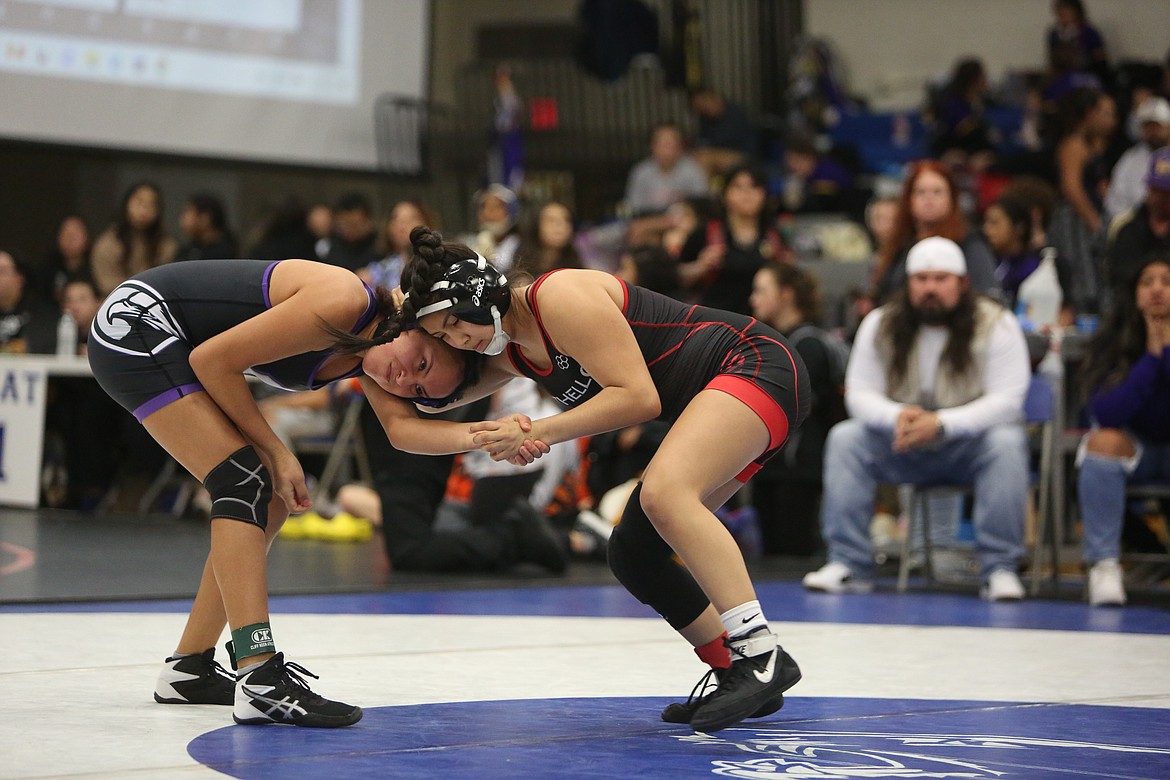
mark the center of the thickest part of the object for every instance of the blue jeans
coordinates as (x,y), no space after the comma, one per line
(994,463)
(1101,483)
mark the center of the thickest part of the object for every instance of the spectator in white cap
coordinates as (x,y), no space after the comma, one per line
(935,391)
(1127,184)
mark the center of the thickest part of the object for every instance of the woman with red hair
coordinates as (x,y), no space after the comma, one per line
(929,206)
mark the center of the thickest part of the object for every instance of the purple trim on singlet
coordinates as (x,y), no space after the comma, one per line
(363,321)
(169,397)
(264,284)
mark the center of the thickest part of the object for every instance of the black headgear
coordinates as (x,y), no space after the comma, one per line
(470,288)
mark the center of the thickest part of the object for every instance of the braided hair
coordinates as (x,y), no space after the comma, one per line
(431,259)
(449,276)
(393,322)
(346,343)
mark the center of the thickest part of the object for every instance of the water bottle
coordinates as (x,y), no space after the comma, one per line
(1040,293)
(66,335)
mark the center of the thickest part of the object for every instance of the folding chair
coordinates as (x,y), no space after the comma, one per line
(342,449)
(1155,567)
(1039,416)
(169,476)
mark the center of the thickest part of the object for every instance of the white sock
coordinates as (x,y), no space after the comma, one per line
(742,620)
(248,669)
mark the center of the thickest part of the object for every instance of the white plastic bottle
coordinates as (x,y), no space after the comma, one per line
(66,335)
(1040,296)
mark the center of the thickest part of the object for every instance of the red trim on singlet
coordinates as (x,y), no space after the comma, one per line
(752,321)
(514,351)
(531,295)
(739,386)
(749,471)
(795,375)
(764,405)
(692,327)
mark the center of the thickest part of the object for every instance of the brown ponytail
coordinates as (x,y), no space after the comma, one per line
(346,343)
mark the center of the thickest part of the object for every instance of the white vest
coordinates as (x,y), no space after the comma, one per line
(950,389)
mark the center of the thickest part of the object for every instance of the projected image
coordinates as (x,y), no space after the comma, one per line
(298,50)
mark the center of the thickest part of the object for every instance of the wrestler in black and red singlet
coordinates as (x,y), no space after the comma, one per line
(688,349)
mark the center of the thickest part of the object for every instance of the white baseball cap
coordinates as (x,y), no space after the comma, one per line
(1153,109)
(936,254)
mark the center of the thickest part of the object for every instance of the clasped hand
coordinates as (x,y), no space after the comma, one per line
(507,439)
(914,427)
(1157,334)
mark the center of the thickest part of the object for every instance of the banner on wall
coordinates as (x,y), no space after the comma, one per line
(22,429)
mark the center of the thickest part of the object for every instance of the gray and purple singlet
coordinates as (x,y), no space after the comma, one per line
(142,337)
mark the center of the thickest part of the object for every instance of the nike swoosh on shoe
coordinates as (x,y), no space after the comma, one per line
(769,670)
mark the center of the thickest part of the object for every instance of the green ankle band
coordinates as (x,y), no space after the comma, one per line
(252,640)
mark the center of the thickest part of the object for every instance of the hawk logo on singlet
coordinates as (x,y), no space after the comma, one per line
(133,307)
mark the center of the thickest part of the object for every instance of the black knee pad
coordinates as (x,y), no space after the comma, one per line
(240,488)
(644,564)
(636,532)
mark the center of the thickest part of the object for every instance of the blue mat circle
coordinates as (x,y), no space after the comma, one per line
(623,737)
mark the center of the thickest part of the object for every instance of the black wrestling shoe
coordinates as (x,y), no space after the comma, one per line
(683,711)
(761,672)
(195,679)
(275,692)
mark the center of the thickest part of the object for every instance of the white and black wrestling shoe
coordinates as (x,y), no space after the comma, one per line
(195,679)
(275,692)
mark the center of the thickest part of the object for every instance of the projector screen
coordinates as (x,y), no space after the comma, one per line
(290,81)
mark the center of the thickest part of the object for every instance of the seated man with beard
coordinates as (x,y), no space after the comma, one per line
(935,390)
